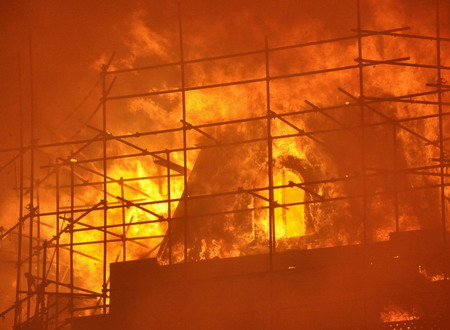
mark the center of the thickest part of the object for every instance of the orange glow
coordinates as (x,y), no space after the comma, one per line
(253,119)
(393,313)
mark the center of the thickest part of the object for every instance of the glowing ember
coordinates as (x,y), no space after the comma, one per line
(393,313)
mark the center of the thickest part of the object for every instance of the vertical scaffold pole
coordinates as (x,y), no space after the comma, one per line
(185,196)
(38,232)
(105,192)
(363,153)
(72,222)
(57,252)
(124,220)
(269,159)
(44,284)
(442,155)
(18,307)
(31,206)
(272,240)
(169,208)
(395,176)
(441,122)
(183,102)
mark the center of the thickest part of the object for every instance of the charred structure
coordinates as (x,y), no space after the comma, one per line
(238,201)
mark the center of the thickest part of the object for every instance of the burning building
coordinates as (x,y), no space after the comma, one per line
(295,181)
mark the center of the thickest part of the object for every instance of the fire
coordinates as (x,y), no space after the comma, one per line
(305,149)
(290,221)
(138,191)
(431,277)
(393,313)
(237,102)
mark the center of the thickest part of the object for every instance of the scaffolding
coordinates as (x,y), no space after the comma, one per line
(47,293)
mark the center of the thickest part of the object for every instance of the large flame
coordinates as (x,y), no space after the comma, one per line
(296,160)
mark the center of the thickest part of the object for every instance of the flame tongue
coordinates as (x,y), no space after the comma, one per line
(211,230)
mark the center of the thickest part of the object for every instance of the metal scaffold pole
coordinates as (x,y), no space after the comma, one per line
(272,241)
(271,201)
(185,127)
(395,176)
(169,208)
(31,190)
(18,307)
(361,101)
(71,242)
(57,248)
(105,190)
(442,153)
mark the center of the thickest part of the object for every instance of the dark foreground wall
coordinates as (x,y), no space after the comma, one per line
(333,288)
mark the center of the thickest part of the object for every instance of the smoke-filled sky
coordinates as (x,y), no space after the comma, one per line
(71,39)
